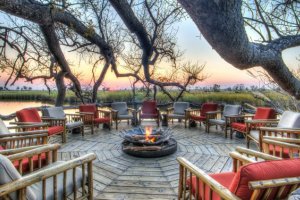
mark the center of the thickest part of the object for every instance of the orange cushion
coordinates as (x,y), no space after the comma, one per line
(285,152)
(25,162)
(92,108)
(224,179)
(263,171)
(149,107)
(265,113)
(53,130)
(207,107)
(239,126)
(28,115)
(101,120)
(197,118)
(1,148)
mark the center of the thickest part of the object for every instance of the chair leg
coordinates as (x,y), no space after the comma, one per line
(82,130)
(116,124)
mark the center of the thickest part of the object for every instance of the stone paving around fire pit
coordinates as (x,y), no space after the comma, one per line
(120,176)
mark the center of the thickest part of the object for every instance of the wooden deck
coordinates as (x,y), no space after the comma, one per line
(120,176)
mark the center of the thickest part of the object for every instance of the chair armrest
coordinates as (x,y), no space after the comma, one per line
(274,183)
(43,174)
(256,154)
(23,133)
(86,113)
(104,111)
(25,125)
(276,129)
(215,186)
(262,121)
(283,139)
(18,150)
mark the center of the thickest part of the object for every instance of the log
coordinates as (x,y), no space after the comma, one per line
(143,148)
(142,137)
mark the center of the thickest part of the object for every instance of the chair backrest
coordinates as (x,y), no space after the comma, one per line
(207,107)
(265,113)
(121,107)
(180,107)
(28,115)
(89,108)
(54,112)
(263,171)
(9,173)
(289,119)
(232,110)
(149,107)
(3,128)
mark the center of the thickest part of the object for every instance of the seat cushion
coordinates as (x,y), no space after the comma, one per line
(54,112)
(101,120)
(37,187)
(217,121)
(26,166)
(176,116)
(241,127)
(254,134)
(285,152)
(3,128)
(72,125)
(28,115)
(149,107)
(53,130)
(265,113)
(129,116)
(180,107)
(149,115)
(197,118)
(224,179)
(230,110)
(121,107)
(91,108)
(8,173)
(263,171)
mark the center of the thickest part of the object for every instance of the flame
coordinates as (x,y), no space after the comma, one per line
(148,133)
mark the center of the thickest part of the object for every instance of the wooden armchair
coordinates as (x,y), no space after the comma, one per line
(178,111)
(149,110)
(120,111)
(58,180)
(250,123)
(281,147)
(228,113)
(200,115)
(54,126)
(92,116)
(251,178)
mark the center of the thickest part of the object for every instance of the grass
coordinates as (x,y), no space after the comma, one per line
(110,96)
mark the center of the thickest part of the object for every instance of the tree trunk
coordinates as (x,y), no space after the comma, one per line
(61,89)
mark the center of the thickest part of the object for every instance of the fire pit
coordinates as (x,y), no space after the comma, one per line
(148,143)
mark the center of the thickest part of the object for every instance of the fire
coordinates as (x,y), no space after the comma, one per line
(148,134)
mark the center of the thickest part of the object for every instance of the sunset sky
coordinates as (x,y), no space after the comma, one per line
(196,50)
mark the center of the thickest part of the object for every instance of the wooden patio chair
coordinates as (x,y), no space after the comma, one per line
(178,111)
(120,112)
(73,121)
(149,110)
(287,127)
(58,180)
(53,126)
(224,120)
(92,116)
(200,115)
(263,116)
(255,175)
(281,147)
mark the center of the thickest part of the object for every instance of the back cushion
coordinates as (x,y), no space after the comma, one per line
(8,173)
(121,107)
(289,119)
(263,171)
(180,107)
(92,108)
(232,110)
(3,128)
(28,115)
(149,107)
(207,107)
(54,112)
(265,113)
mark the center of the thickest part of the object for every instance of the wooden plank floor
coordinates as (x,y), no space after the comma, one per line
(120,176)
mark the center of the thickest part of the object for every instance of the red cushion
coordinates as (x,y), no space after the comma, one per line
(92,108)
(28,115)
(25,162)
(101,120)
(265,113)
(149,107)
(263,171)
(149,116)
(53,130)
(207,107)
(224,179)
(239,126)
(197,118)
(1,148)
(285,152)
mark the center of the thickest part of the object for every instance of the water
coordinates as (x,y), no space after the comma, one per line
(9,107)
